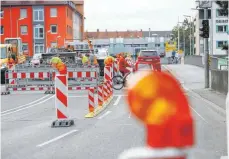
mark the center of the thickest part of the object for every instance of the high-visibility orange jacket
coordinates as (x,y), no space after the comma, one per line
(123,64)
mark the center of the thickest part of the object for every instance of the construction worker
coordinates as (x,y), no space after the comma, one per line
(84,58)
(123,65)
(59,65)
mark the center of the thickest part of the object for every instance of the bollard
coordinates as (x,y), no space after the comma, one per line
(115,67)
(61,102)
(105,92)
(91,103)
(100,95)
(107,73)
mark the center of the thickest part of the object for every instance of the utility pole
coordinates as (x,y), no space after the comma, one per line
(206,53)
(178,35)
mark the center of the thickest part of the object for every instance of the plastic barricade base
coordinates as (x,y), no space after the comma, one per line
(62,123)
(99,109)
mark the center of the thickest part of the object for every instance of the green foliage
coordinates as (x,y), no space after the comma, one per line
(184,30)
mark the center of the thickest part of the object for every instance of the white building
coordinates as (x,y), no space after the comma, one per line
(218,31)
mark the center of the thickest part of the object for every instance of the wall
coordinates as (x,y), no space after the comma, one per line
(9,21)
(60,22)
(218,36)
(198,61)
(219,81)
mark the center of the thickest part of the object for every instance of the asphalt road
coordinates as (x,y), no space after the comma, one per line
(27,117)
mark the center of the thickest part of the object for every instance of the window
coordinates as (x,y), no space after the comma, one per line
(25,46)
(38,15)
(220,13)
(39,48)
(2,30)
(220,44)
(38,32)
(53,28)
(53,12)
(23,13)
(24,30)
(148,53)
(2,13)
(221,28)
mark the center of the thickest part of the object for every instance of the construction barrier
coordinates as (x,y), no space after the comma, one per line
(82,78)
(98,102)
(61,102)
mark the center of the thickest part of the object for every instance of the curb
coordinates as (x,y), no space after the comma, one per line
(212,105)
(99,109)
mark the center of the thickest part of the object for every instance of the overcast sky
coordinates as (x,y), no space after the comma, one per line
(159,15)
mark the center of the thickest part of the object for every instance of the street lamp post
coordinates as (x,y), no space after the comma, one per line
(156,40)
(17,24)
(183,37)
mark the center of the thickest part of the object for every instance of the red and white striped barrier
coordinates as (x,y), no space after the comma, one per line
(107,73)
(12,69)
(61,98)
(34,75)
(61,102)
(46,88)
(91,100)
(100,95)
(116,68)
(105,92)
(24,75)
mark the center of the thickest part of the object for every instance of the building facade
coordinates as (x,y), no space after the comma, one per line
(218,31)
(41,24)
(129,41)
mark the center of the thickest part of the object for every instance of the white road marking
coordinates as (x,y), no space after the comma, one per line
(117,100)
(25,104)
(105,114)
(198,114)
(27,107)
(57,138)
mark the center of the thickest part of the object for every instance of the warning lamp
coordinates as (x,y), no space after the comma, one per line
(157,100)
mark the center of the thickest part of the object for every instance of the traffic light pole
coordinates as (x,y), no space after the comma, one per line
(206,54)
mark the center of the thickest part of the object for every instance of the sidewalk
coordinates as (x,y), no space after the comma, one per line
(192,78)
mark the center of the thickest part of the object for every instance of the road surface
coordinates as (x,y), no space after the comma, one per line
(27,117)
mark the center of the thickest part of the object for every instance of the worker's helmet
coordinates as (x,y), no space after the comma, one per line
(87,54)
(55,60)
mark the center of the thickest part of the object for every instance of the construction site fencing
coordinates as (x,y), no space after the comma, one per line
(43,80)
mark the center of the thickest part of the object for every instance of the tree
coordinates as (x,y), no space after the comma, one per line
(184,33)
(224,7)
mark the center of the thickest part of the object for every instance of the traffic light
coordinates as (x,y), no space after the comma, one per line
(205,29)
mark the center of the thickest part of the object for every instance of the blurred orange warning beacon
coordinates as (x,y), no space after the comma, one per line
(157,100)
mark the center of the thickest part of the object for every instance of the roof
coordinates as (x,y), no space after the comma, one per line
(112,34)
